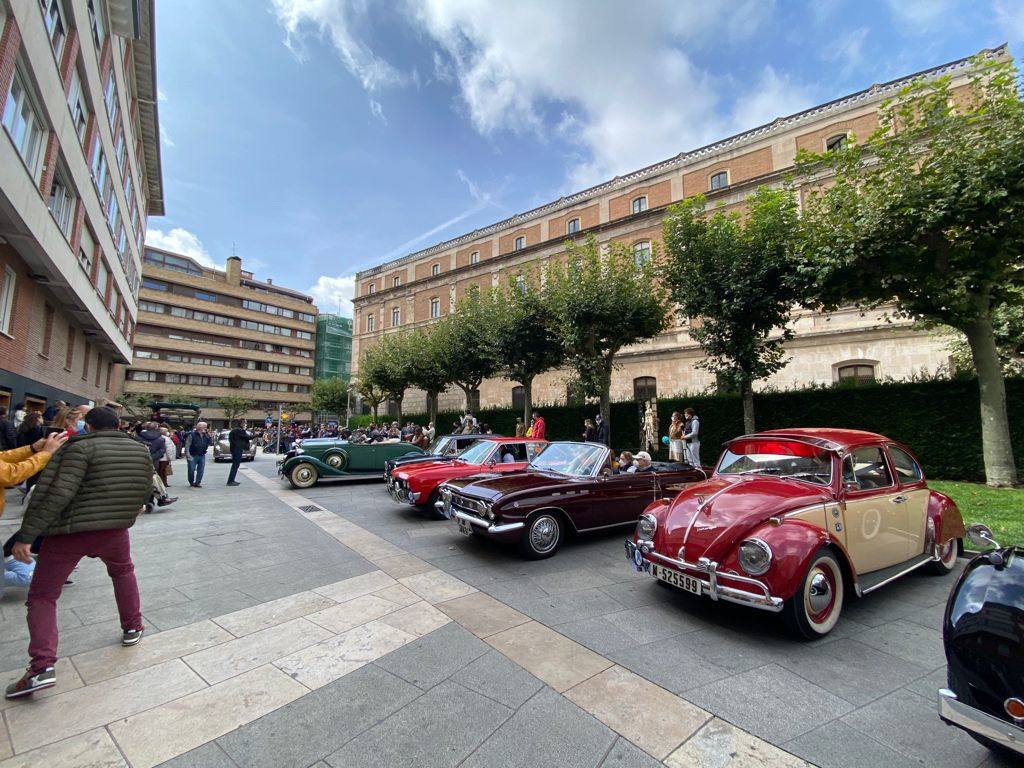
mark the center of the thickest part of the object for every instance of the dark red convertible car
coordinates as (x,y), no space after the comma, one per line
(793,520)
(418,483)
(569,487)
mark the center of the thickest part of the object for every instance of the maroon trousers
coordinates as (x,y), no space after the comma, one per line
(58,556)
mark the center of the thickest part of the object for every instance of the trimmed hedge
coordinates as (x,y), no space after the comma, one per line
(939,420)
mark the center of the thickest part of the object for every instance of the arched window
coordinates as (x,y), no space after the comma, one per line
(645,387)
(855,374)
(642,252)
(396,316)
(835,143)
(640,204)
(474,257)
(518,398)
(435,270)
(396,281)
(719,180)
(572,226)
(435,307)
(520,243)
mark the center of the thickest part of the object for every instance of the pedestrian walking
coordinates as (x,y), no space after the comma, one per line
(238,442)
(601,433)
(676,444)
(691,434)
(8,432)
(537,427)
(196,445)
(19,414)
(589,431)
(164,469)
(84,503)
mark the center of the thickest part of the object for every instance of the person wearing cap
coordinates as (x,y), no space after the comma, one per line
(643,462)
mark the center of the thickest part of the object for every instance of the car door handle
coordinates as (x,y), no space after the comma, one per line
(898,499)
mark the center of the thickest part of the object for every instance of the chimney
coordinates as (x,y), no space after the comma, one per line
(234,270)
(270,281)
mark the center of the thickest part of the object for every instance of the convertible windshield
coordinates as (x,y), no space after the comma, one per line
(477,453)
(778,458)
(570,459)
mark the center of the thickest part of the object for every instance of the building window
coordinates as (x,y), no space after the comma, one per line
(23,123)
(76,103)
(141,375)
(371,289)
(640,204)
(855,374)
(572,226)
(110,98)
(7,300)
(371,322)
(645,388)
(435,307)
(61,202)
(518,399)
(99,32)
(642,252)
(53,17)
(835,143)
(69,353)
(48,317)
(520,283)
(102,279)
(519,244)
(719,180)
(396,281)
(396,316)
(86,249)
(474,257)
(203,296)
(435,269)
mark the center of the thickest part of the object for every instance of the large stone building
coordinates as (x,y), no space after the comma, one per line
(851,344)
(204,334)
(79,174)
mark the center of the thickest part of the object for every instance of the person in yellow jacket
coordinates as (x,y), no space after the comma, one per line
(20,464)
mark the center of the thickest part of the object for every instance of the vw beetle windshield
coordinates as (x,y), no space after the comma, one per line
(777,458)
(570,459)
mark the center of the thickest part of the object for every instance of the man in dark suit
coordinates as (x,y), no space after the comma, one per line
(238,442)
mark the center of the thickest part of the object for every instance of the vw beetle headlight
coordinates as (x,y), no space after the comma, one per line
(755,557)
(646,527)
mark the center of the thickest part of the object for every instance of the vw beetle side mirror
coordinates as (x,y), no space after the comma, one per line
(848,486)
(980,536)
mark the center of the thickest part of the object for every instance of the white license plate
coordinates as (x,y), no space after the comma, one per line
(677,579)
(464,528)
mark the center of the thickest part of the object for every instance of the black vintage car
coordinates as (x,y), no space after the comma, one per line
(444,447)
(983,631)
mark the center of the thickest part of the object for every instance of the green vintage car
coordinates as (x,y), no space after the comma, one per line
(325,458)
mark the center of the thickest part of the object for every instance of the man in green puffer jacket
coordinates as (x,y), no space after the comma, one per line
(83,505)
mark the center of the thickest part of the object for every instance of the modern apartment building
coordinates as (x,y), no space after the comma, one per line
(333,347)
(79,175)
(849,345)
(204,334)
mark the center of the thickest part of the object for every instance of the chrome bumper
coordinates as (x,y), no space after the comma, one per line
(706,571)
(455,514)
(400,495)
(955,712)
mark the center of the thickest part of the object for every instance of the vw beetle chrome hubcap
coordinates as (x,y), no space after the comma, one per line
(819,596)
(544,534)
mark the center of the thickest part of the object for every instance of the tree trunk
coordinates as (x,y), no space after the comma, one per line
(747,392)
(375,407)
(527,400)
(997,450)
(432,408)
(398,409)
(606,398)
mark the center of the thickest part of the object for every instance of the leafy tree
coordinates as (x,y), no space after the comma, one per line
(603,302)
(523,334)
(370,394)
(429,371)
(462,348)
(737,275)
(234,406)
(136,404)
(388,365)
(927,214)
(330,395)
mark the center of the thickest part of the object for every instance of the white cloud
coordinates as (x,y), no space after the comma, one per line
(774,95)
(1010,18)
(165,137)
(161,96)
(848,50)
(332,294)
(180,240)
(617,82)
(920,16)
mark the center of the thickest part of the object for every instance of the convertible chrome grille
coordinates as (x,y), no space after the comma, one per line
(468,505)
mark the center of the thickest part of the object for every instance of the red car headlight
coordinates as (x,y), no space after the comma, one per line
(646,527)
(755,557)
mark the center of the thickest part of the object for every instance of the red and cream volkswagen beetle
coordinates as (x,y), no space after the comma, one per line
(795,520)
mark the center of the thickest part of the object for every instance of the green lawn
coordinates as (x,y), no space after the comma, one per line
(1001,509)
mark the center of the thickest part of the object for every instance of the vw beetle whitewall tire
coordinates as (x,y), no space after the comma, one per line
(946,563)
(814,609)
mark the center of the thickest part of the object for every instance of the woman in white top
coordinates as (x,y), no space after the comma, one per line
(164,470)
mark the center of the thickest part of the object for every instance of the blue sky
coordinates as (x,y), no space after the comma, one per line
(319,137)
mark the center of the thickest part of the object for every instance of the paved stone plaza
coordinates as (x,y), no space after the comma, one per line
(338,628)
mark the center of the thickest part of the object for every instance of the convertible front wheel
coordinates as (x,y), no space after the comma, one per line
(303,476)
(814,610)
(542,536)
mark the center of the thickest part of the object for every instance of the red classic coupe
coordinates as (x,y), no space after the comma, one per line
(793,520)
(418,484)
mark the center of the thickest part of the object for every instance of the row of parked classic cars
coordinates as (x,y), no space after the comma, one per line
(795,522)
